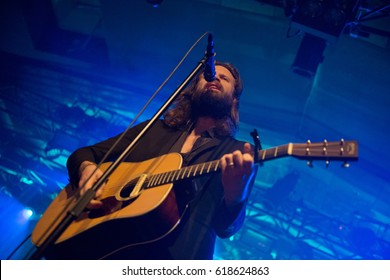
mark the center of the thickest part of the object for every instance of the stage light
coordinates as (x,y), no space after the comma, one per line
(155,3)
(27,213)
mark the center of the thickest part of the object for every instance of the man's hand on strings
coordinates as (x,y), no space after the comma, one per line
(85,171)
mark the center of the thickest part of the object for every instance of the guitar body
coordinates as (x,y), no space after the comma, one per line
(152,214)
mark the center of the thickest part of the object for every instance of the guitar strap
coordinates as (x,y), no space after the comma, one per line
(176,147)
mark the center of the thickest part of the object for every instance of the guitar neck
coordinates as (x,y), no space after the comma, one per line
(341,151)
(210,167)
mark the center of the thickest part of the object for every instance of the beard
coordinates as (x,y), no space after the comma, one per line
(208,103)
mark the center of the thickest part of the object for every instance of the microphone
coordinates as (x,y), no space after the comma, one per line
(209,68)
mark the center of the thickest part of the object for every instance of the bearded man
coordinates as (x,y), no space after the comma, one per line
(200,127)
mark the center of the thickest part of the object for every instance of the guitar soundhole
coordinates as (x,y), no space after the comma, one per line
(127,189)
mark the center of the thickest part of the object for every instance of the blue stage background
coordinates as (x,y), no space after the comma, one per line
(76,72)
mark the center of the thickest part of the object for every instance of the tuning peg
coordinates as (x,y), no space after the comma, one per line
(308,142)
(327,163)
(345,165)
(310,163)
(324,149)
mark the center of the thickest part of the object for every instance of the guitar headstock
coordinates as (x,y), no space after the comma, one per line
(339,151)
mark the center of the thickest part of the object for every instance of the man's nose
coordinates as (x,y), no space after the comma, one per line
(218,78)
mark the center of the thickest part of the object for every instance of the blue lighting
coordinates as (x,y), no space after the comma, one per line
(15,225)
(27,213)
(26,181)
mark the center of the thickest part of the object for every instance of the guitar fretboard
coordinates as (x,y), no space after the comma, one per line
(275,152)
(343,150)
(183,173)
(207,168)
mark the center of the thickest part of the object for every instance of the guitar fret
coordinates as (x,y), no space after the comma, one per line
(189,171)
(169,173)
(152,178)
(178,174)
(289,148)
(276,152)
(184,172)
(163,178)
(169,176)
(209,165)
(155,179)
(201,171)
(208,168)
(166,180)
(158,179)
(148,180)
(172,178)
(174,175)
(156,182)
(216,166)
(263,156)
(196,168)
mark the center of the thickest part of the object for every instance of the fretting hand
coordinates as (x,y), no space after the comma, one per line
(237,170)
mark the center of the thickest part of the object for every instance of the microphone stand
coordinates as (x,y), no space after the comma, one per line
(84,200)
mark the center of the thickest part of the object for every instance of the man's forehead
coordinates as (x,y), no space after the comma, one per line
(224,70)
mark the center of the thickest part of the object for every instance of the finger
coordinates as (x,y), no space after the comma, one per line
(248,163)
(229,159)
(95,204)
(247,148)
(237,159)
(99,191)
(226,161)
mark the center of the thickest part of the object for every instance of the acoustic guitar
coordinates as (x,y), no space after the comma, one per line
(139,204)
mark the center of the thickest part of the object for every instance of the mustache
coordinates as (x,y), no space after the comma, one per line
(214,83)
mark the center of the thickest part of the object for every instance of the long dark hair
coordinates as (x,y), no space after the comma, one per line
(181,113)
